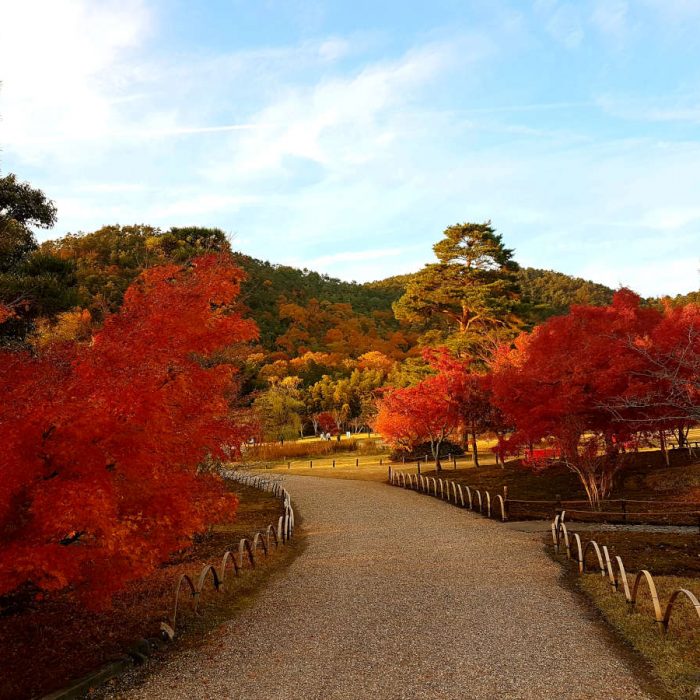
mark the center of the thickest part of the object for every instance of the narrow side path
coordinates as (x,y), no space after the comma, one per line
(402,596)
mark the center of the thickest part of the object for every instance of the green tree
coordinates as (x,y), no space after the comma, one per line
(32,283)
(279,409)
(548,293)
(110,259)
(471,290)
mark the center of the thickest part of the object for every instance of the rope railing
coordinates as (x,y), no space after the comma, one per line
(657,512)
(572,547)
(246,555)
(452,492)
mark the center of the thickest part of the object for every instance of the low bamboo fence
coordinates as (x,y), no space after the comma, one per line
(234,561)
(572,546)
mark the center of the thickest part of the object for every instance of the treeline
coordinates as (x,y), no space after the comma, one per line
(326,347)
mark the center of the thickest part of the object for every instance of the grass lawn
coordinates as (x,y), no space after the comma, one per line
(662,553)
(673,659)
(70,641)
(673,558)
(343,465)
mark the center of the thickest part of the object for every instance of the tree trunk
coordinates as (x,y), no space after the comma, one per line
(662,442)
(435,449)
(474,448)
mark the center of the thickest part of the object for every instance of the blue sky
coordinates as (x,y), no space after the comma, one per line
(345,136)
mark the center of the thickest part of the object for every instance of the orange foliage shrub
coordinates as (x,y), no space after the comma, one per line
(99,475)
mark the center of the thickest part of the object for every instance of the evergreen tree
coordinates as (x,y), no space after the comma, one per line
(473,287)
(32,283)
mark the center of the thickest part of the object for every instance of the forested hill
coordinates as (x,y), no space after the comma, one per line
(297,310)
(544,292)
(548,293)
(268,284)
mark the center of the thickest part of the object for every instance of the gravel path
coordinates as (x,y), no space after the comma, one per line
(398,595)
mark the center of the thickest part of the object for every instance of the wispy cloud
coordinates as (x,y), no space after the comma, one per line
(353,256)
(351,152)
(683,107)
(611,17)
(563,21)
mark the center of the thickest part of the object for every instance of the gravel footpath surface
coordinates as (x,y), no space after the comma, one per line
(398,595)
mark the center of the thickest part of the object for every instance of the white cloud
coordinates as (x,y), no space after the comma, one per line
(670,276)
(671,219)
(676,108)
(334,49)
(354,167)
(563,21)
(675,10)
(352,256)
(335,123)
(60,68)
(192,205)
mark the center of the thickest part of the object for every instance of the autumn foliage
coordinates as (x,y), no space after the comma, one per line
(417,414)
(583,388)
(104,440)
(589,384)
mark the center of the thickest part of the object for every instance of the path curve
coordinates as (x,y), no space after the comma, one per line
(399,595)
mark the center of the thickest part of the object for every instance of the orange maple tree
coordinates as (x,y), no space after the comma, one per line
(425,412)
(101,473)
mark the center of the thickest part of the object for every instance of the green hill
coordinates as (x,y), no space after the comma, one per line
(544,292)
(107,260)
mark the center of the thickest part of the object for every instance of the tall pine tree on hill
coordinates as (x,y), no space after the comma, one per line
(472,287)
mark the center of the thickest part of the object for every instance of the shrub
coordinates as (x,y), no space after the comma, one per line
(447,448)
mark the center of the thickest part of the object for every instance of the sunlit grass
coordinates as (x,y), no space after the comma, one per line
(675,657)
(373,466)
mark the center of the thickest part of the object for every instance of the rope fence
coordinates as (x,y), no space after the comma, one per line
(571,544)
(234,561)
(623,510)
(452,492)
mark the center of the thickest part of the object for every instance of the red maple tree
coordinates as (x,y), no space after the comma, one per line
(104,442)
(558,382)
(470,391)
(422,413)
(664,391)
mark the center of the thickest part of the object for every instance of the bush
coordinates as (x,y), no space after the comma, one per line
(298,449)
(447,449)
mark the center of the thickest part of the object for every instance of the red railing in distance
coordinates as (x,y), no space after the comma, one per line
(541,454)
